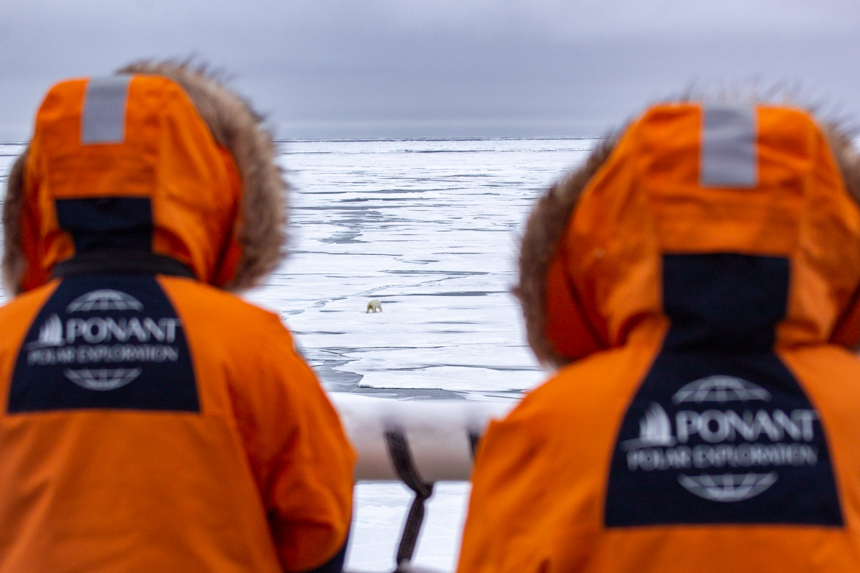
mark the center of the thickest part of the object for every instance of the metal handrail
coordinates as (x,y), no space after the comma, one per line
(418,443)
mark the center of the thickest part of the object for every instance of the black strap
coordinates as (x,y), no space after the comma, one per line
(120,262)
(398,449)
(474,442)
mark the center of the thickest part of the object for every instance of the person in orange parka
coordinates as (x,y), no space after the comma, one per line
(695,282)
(150,420)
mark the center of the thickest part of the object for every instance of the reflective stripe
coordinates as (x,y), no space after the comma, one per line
(729,156)
(103,119)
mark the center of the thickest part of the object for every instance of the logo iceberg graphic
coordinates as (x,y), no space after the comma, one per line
(50,334)
(104,378)
(728,487)
(720,388)
(655,429)
(104,299)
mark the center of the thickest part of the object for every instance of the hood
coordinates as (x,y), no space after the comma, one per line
(160,158)
(727,197)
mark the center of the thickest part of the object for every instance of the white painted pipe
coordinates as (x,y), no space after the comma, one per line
(438,434)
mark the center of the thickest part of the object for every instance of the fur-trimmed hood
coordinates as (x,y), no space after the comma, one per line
(229,228)
(591,255)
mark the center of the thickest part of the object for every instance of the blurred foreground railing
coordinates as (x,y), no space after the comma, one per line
(418,443)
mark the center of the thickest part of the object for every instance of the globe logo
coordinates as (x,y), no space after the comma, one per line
(720,388)
(104,299)
(102,379)
(728,487)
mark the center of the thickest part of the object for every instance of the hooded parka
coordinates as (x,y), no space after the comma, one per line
(695,282)
(150,420)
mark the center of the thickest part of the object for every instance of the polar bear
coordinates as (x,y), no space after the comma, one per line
(374,305)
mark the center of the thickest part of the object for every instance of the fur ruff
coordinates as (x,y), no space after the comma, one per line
(236,126)
(14,262)
(549,219)
(544,229)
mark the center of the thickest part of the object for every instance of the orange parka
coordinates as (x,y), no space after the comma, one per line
(696,284)
(150,420)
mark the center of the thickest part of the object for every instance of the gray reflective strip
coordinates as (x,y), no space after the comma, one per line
(104,110)
(729,156)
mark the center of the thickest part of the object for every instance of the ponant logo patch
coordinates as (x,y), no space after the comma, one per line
(100,339)
(720,448)
(105,342)
(735,434)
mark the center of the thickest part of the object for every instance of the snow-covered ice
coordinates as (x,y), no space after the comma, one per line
(430,228)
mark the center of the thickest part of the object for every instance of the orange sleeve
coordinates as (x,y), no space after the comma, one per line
(506,513)
(299,454)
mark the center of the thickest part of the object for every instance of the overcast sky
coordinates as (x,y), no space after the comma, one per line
(439,68)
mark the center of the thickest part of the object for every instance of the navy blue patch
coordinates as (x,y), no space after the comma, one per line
(105,342)
(107,222)
(720,431)
(724,301)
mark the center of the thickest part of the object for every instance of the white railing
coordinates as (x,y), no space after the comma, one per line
(419,443)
